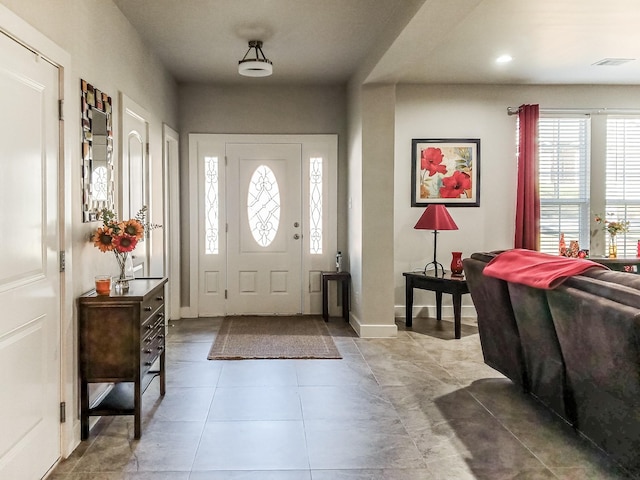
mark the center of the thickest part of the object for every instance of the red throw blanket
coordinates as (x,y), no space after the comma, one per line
(536,269)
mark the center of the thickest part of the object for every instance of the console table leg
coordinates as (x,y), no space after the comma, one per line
(84,411)
(345,300)
(163,382)
(409,304)
(325,299)
(457,307)
(438,306)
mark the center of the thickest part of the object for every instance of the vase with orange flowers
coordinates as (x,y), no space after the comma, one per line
(121,238)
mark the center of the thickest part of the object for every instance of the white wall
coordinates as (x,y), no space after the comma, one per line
(472,111)
(256,109)
(106,51)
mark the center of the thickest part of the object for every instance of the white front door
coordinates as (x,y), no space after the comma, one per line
(264,221)
(253,251)
(29,272)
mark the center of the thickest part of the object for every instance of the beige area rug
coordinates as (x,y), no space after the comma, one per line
(273,337)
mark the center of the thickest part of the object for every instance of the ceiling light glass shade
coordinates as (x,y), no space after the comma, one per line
(256,66)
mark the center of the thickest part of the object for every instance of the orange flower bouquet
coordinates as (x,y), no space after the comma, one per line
(121,238)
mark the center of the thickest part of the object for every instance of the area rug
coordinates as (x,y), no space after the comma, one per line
(273,337)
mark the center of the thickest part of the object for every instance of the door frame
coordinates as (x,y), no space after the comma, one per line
(171,199)
(69,147)
(129,108)
(325,145)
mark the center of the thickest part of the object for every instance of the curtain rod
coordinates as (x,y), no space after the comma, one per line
(583,111)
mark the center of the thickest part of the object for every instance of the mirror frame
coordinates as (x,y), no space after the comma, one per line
(93,99)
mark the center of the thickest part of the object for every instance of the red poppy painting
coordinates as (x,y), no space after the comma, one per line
(445,171)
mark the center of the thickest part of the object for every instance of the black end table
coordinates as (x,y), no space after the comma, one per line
(455,285)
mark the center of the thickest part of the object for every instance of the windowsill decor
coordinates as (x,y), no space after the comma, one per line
(121,238)
(613,229)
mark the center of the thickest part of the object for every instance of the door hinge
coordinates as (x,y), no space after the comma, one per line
(225,293)
(226,228)
(60,109)
(63,412)
(63,256)
(226,160)
(147,148)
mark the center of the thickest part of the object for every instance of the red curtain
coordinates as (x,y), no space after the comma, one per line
(528,194)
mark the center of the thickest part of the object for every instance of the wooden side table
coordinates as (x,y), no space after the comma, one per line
(456,286)
(344,278)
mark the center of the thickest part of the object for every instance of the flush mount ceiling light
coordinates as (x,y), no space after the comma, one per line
(256,66)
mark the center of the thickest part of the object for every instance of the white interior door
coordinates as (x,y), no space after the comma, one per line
(134,174)
(29,276)
(264,222)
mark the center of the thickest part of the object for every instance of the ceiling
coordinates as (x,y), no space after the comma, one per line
(394,41)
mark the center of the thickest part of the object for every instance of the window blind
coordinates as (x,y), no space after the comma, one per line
(623,179)
(563,144)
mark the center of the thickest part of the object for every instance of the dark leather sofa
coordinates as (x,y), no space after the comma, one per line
(576,348)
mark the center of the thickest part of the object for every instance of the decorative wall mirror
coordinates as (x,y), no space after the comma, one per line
(97,153)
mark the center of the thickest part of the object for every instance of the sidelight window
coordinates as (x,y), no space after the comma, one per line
(315,205)
(211,205)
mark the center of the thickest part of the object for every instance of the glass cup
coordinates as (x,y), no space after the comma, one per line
(103,284)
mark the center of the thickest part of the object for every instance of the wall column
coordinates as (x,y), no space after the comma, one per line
(374,282)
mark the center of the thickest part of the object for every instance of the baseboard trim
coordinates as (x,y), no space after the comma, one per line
(373,330)
(429,311)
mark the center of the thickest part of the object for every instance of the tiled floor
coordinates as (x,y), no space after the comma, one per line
(421,406)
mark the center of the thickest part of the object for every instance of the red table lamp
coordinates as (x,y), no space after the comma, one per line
(435,217)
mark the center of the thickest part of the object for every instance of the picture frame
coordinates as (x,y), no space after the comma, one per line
(445,171)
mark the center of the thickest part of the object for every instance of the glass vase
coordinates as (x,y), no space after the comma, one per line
(125,272)
(613,246)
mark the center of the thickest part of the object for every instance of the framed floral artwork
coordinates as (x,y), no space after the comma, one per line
(445,171)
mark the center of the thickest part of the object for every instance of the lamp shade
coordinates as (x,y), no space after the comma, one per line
(436,217)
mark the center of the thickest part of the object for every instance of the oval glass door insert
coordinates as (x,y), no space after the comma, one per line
(263,205)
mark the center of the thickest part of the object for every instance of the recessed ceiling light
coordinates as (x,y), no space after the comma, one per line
(504,59)
(612,62)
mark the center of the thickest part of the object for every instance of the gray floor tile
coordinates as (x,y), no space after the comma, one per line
(346,402)
(262,373)
(171,406)
(187,352)
(256,403)
(193,374)
(252,475)
(258,445)
(331,372)
(373,474)
(340,444)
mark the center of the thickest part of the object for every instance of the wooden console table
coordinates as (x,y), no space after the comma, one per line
(629,264)
(456,286)
(120,337)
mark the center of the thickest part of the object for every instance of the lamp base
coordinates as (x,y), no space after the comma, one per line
(436,266)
